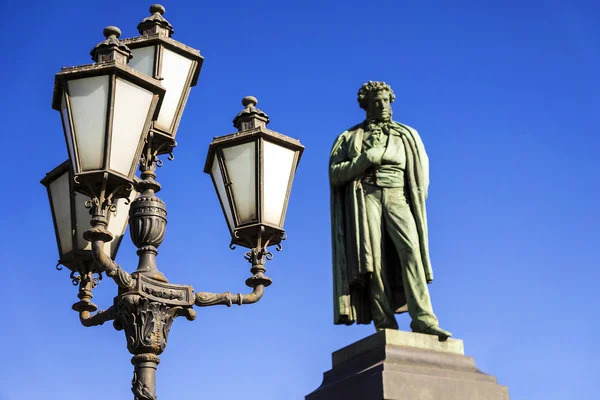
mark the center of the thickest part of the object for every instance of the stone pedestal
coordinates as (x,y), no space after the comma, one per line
(397,365)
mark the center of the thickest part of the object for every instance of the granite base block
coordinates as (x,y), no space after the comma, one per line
(396,365)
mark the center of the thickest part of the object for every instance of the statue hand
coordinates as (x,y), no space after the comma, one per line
(375,155)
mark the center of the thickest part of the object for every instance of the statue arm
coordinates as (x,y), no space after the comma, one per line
(342,169)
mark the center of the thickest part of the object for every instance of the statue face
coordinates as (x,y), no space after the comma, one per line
(379,107)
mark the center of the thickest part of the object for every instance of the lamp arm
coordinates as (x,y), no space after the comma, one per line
(98,318)
(258,281)
(98,234)
(121,277)
(87,281)
(206,299)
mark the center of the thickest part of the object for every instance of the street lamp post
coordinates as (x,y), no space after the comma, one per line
(118,116)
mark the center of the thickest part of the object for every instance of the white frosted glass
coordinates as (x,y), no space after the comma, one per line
(278,163)
(117,223)
(175,71)
(88,98)
(83,218)
(218,178)
(143,60)
(132,105)
(240,162)
(60,196)
(67,126)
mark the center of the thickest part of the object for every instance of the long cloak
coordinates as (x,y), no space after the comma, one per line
(351,247)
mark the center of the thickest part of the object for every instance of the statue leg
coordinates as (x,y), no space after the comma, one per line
(402,230)
(380,292)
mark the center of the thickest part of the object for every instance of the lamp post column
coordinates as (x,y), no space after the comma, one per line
(144,309)
(146,324)
(143,384)
(148,218)
(146,304)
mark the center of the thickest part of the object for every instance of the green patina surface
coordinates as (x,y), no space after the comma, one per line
(379,177)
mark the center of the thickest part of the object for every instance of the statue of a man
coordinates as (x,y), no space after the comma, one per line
(379,176)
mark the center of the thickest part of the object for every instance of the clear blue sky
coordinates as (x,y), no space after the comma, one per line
(506,96)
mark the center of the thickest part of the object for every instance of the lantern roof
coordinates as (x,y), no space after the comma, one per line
(111,67)
(104,51)
(55,173)
(155,23)
(171,44)
(110,46)
(249,113)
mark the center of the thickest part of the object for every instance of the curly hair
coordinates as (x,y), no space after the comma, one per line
(371,88)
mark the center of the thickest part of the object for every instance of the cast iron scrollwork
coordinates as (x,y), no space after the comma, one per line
(146,323)
(149,159)
(78,279)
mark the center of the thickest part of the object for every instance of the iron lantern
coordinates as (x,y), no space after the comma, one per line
(106,110)
(176,65)
(252,171)
(71,218)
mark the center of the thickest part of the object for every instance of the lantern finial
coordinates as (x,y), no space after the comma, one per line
(155,23)
(249,101)
(157,8)
(111,49)
(111,31)
(250,117)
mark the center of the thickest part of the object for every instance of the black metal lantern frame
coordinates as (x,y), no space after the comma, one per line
(93,181)
(85,272)
(146,303)
(75,258)
(105,120)
(156,34)
(249,233)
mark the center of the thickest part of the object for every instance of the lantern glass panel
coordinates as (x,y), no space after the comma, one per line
(61,203)
(132,103)
(143,60)
(67,126)
(89,97)
(117,223)
(82,219)
(240,162)
(175,72)
(220,184)
(277,169)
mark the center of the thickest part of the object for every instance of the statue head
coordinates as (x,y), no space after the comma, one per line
(376,99)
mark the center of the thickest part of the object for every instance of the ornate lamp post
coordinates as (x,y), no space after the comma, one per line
(111,117)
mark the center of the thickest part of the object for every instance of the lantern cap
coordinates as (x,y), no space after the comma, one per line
(250,117)
(111,49)
(155,23)
(250,135)
(56,172)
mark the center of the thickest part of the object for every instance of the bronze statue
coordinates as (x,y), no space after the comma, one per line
(379,176)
